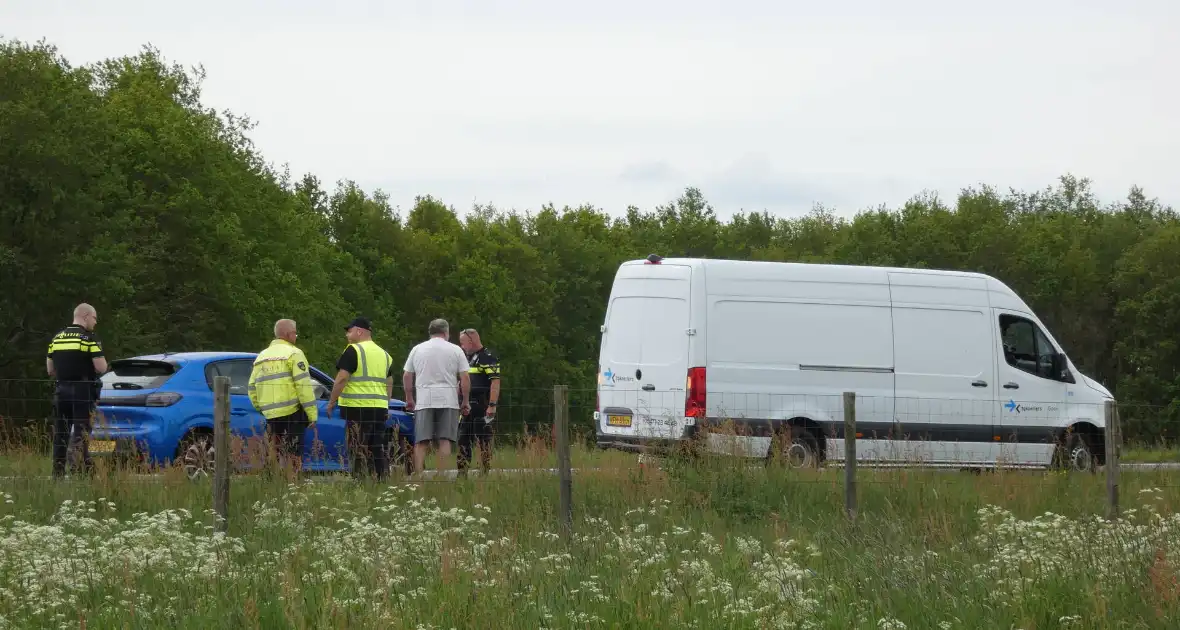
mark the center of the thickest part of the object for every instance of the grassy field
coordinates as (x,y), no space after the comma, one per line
(1149,454)
(25,461)
(518,453)
(701,545)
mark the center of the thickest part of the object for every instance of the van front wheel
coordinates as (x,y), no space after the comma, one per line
(1075,455)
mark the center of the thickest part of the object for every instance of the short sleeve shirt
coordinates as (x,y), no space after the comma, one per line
(483,368)
(73,350)
(436,365)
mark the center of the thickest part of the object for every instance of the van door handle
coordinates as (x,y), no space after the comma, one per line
(649,388)
(1011,386)
(979,384)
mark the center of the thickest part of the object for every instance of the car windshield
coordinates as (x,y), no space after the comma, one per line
(137,374)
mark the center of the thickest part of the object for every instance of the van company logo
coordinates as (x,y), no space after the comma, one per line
(1014,407)
(610,377)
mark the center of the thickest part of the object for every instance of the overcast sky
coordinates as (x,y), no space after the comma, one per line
(761,104)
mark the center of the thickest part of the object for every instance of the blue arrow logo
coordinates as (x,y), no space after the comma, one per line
(1010,405)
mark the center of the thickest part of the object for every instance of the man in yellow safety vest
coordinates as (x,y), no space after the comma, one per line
(363,387)
(281,389)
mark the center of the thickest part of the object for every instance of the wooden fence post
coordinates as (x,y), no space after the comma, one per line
(221,454)
(850,455)
(1114,436)
(561,421)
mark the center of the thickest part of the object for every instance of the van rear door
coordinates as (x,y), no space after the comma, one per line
(643,365)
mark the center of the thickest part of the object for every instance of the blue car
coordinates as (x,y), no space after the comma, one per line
(159,409)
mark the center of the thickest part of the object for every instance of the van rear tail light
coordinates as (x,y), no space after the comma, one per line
(694,397)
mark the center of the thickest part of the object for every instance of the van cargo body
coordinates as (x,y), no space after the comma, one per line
(949,368)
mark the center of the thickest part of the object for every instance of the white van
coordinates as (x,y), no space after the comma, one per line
(949,368)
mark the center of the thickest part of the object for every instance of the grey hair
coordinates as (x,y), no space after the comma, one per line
(469,331)
(282,326)
(438,327)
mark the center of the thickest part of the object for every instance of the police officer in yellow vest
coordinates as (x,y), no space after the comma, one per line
(281,389)
(363,387)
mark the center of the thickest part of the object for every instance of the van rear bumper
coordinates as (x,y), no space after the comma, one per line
(642,444)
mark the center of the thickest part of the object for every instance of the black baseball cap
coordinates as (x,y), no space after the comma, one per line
(360,322)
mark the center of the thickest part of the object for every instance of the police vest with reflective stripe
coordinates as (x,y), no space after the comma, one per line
(366,387)
(274,389)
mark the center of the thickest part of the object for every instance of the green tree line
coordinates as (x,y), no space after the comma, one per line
(120,188)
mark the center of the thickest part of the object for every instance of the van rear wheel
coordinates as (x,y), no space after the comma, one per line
(798,448)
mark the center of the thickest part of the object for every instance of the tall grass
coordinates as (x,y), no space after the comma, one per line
(706,543)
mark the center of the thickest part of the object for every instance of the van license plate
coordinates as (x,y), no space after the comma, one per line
(102,446)
(618,421)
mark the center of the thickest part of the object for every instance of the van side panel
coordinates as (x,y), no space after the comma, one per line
(946,373)
(946,378)
(784,342)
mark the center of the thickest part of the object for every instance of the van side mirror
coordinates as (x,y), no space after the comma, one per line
(1061,368)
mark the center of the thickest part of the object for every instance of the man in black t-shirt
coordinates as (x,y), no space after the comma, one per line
(364,425)
(484,372)
(75,360)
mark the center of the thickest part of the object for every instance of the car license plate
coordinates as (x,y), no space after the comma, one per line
(102,446)
(618,421)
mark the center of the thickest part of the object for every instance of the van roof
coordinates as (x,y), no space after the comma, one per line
(835,272)
(803,267)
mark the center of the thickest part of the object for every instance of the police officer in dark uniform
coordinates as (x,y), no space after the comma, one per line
(75,360)
(484,371)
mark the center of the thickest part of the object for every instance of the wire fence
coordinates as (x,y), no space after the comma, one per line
(909,430)
(204,432)
(26,406)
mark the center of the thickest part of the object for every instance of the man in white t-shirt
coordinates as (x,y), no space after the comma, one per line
(433,374)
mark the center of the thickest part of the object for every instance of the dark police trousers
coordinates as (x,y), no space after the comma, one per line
(74,402)
(472,428)
(365,430)
(286,437)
